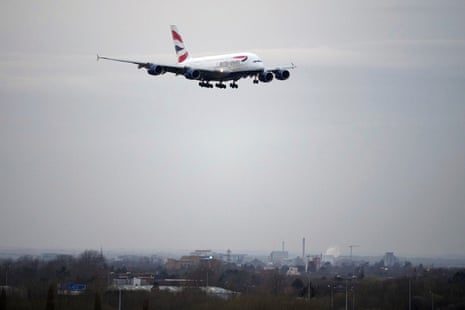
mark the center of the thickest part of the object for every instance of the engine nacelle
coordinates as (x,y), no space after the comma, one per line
(192,74)
(265,76)
(282,75)
(155,70)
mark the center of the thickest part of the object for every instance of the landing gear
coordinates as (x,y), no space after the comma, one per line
(205,84)
(221,85)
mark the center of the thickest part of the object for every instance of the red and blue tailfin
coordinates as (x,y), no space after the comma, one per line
(181,51)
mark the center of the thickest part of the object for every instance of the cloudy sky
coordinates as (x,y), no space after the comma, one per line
(364,144)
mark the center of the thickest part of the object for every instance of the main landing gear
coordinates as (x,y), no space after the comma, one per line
(218,85)
(205,84)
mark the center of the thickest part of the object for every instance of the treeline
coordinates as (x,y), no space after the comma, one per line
(29,283)
(32,275)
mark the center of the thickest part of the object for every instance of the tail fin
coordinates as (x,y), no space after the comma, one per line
(181,50)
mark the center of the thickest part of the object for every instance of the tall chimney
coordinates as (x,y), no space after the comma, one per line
(303,248)
(283,247)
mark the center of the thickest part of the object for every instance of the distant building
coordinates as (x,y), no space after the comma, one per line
(278,257)
(329,259)
(256,263)
(185,262)
(298,261)
(293,271)
(227,257)
(317,262)
(389,259)
(128,279)
(203,253)
(132,282)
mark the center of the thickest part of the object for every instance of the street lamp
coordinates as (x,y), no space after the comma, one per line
(331,294)
(309,287)
(409,294)
(353,297)
(208,259)
(119,298)
(346,293)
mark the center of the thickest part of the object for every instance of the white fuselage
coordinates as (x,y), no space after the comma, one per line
(225,66)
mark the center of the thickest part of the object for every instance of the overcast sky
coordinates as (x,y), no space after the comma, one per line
(364,144)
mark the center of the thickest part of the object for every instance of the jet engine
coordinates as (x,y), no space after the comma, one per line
(265,76)
(192,74)
(282,75)
(155,70)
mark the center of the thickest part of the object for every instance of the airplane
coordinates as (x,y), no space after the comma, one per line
(219,69)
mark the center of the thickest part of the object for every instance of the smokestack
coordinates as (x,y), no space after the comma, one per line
(283,247)
(303,248)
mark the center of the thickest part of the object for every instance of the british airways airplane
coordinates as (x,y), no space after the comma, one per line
(219,69)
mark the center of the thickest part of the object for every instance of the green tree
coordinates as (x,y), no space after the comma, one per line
(97,302)
(90,268)
(298,287)
(50,305)
(88,265)
(277,283)
(3,300)
(145,305)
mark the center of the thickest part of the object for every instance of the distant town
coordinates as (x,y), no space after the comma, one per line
(125,280)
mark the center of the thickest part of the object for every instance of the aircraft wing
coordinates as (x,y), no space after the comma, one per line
(281,68)
(152,68)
